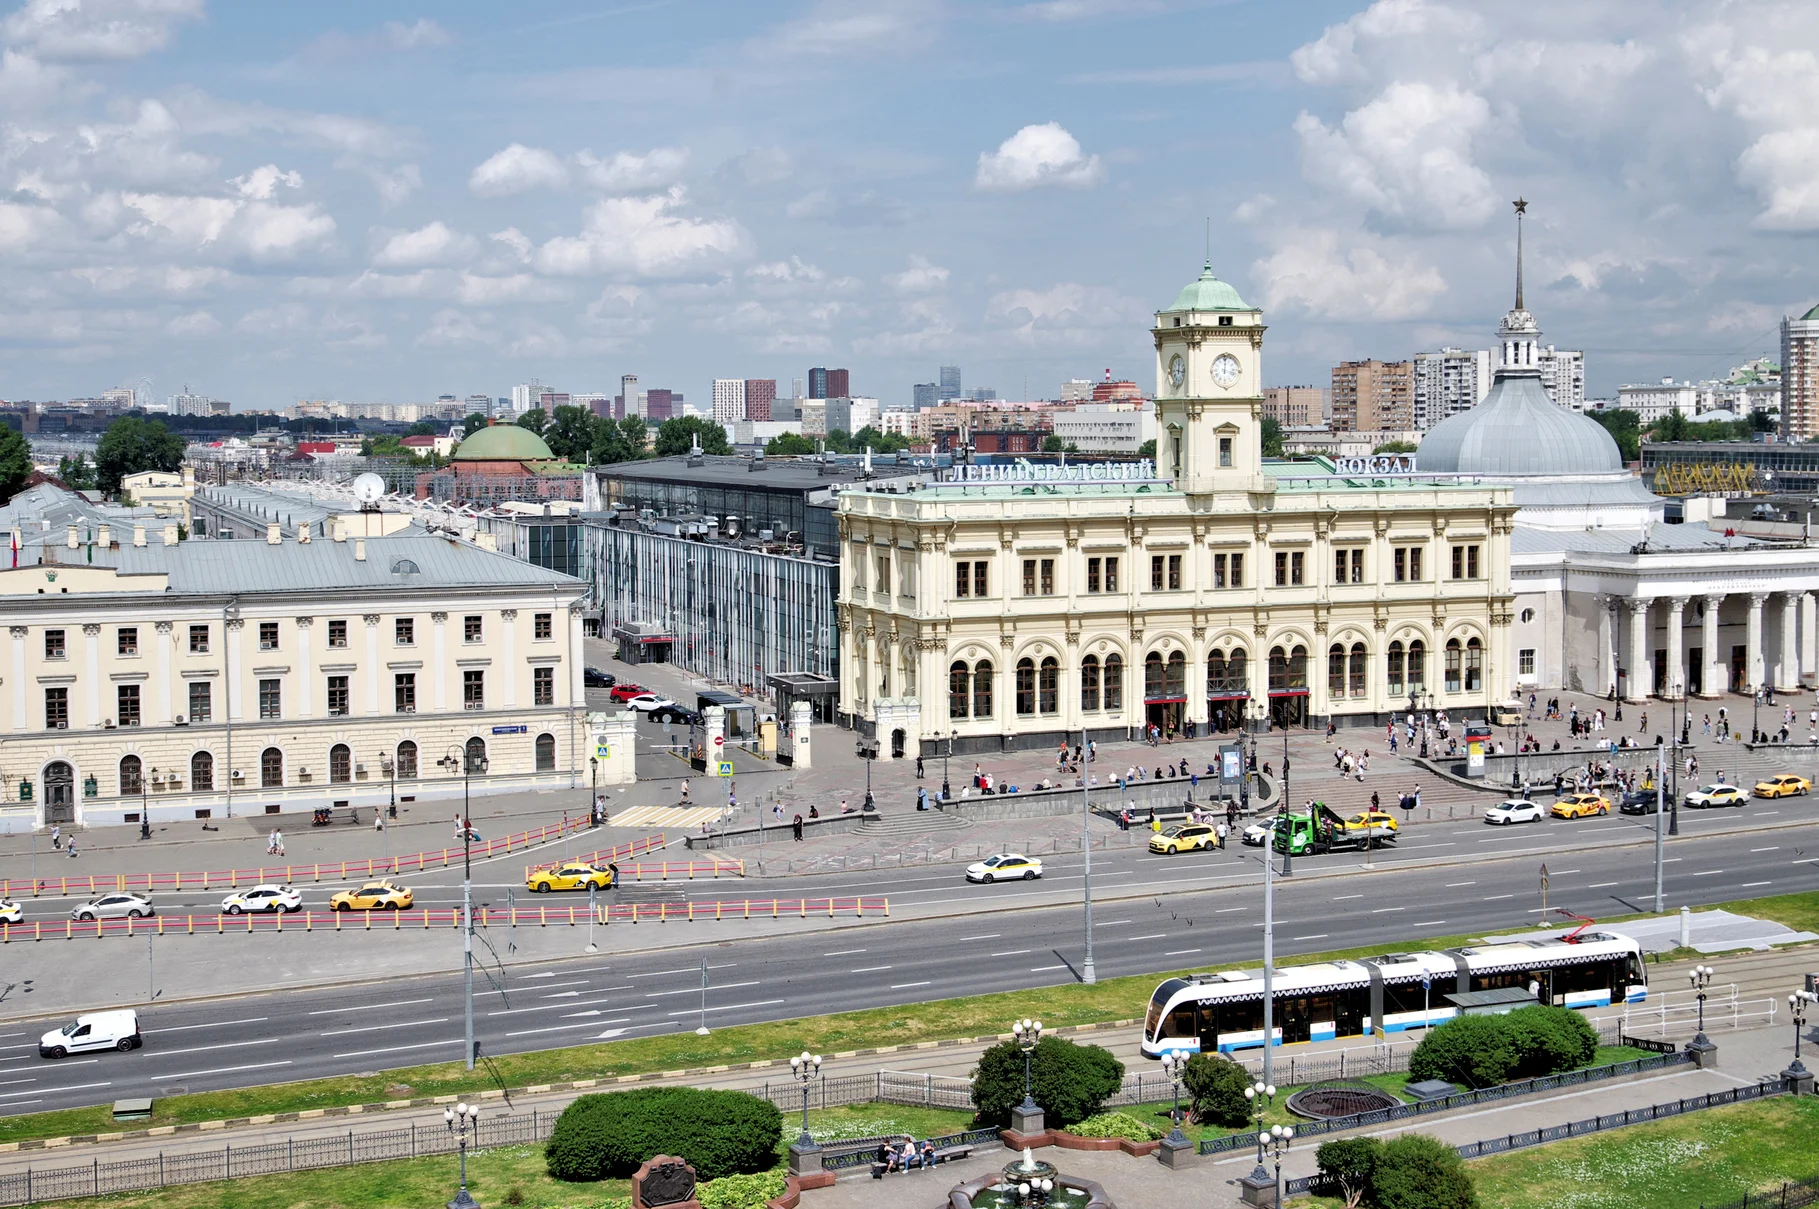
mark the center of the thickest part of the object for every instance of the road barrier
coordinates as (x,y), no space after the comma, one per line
(660,871)
(446,917)
(332,871)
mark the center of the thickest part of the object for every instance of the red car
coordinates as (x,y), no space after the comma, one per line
(625,692)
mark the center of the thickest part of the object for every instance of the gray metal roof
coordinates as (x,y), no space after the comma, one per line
(777,474)
(1518,430)
(253,567)
(1662,539)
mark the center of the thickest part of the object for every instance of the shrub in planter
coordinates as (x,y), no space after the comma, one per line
(608,1135)
(1474,1051)
(741,1191)
(1069,1081)
(1215,1087)
(1415,1171)
(1115,1125)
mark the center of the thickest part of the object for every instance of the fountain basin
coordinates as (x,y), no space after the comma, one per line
(995,1192)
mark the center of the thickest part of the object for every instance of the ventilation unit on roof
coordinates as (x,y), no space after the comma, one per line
(404,566)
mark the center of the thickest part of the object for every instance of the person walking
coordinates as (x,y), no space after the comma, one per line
(1222,832)
(918,768)
(796,828)
(71,850)
(56,837)
(685,791)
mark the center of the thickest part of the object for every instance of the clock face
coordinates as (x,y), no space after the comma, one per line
(1177,371)
(1225,371)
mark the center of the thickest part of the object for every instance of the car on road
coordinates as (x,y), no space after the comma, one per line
(1367,819)
(1717,795)
(1257,834)
(118,905)
(96,1030)
(374,896)
(593,677)
(1580,806)
(1184,837)
(644,703)
(269,897)
(1640,802)
(575,875)
(679,714)
(1515,810)
(1784,785)
(1006,866)
(11,912)
(627,690)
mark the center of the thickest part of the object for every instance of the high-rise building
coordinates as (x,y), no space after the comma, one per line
(630,401)
(760,393)
(660,404)
(1294,406)
(795,388)
(1076,390)
(950,381)
(980,394)
(817,383)
(729,400)
(1373,396)
(523,395)
(1563,376)
(1448,382)
(839,384)
(925,394)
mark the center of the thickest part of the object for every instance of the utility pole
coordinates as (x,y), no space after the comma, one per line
(1087,975)
(1660,822)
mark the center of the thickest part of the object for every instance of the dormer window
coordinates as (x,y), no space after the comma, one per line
(1177,321)
(1225,321)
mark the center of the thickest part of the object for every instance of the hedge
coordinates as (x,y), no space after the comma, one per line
(1482,1051)
(608,1135)
(1070,1081)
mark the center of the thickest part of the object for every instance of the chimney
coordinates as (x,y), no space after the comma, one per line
(303,534)
(340,529)
(170,535)
(139,536)
(273,534)
(71,543)
(487,541)
(359,549)
(107,537)
(189,476)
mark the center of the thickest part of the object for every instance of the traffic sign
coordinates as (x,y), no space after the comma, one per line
(726,768)
(719,740)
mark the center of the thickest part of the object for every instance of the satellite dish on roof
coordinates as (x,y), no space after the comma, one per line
(369,489)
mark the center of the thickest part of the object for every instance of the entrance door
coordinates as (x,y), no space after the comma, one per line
(1164,715)
(1695,671)
(1739,677)
(1288,711)
(59,793)
(1661,670)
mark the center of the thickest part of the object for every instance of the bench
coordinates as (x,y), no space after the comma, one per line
(946,1154)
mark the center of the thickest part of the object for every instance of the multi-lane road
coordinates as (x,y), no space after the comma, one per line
(1153,914)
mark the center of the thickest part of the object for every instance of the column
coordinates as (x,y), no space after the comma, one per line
(162,707)
(1641,679)
(1787,678)
(1607,646)
(19,704)
(1676,648)
(577,692)
(235,670)
(1752,644)
(306,665)
(372,663)
(508,679)
(92,658)
(1808,616)
(438,652)
(1716,671)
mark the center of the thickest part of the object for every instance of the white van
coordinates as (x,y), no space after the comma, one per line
(97,1030)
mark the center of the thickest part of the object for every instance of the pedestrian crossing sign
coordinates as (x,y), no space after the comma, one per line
(602,749)
(724,768)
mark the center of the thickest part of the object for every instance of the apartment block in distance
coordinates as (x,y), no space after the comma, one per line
(760,393)
(1295,406)
(729,400)
(1800,377)
(826,383)
(1373,395)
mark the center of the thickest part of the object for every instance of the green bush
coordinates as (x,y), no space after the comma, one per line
(1115,1125)
(1550,1039)
(720,1133)
(1481,1051)
(1348,1163)
(1215,1087)
(1415,1171)
(1069,1081)
(741,1191)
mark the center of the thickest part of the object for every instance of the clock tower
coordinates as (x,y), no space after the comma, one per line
(1209,391)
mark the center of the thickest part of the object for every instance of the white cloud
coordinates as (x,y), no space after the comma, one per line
(518,169)
(641,235)
(760,166)
(1354,51)
(195,323)
(846,27)
(434,244)
(234,226)
(1067,314)
(83,30)
(1407,155)
(1038,155)
(629,173)
(419,33)
(27,227)
(1309,271)
(262,183)
(921,277)
(395,185)
(1772,88)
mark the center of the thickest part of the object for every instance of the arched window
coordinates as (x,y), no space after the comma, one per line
(1393,670)
(1026,687)
(1153,675)
(1360,661)
(1237,674)
(407,759)
(476,755)
(908,668)
(1278,669)
(982,688)
(340,764)
(202,771)
(1114,683)
(1297,668)
(271,769)
(1417,665)
(1215,673)
(1474,665)
(546,753)
(1089,684)
(1335,671)
(1048,686)
(132,776)
(1175,683)
(957,690)
(1454,663)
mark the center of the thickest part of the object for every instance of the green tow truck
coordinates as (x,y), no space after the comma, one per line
(1314,829)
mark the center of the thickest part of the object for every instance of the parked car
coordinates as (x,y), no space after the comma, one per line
(374,896)
(1717,795)
(1006,866)
(627,690)
(645,702)
(1515,810)
(1580,806)
(270,897)
(11,912)
(96,1030)
(1184,837)
(679,714)
(1640,802)
(1786,784)
(1257,834)
(576,875)
(593,677)
(118,905)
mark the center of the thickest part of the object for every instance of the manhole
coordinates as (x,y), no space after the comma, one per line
(1324,1101)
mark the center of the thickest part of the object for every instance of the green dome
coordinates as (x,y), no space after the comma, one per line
(503,443)
(1812,314)
(1209,294)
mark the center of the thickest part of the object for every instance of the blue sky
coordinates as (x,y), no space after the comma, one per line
(385,202)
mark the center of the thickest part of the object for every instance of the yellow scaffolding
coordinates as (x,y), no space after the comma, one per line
(1706,478)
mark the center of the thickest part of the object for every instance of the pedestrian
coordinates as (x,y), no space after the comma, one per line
(918,768)
(814,812)
(921,798)
(796,828)
(1152,819)
(72,848)
(1375,805)
(1124,819)
(1417,797)
(1231,813)
(56,837)
(1222,833)
(1092,750)
(685,791)
(378,820)
(1642,723)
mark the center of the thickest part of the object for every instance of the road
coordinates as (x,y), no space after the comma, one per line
(1162,921)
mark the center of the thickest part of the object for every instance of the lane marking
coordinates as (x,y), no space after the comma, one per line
(1111,923)
(1602,885)
(559,1028)
(1456,885)
(1494,897)
(1426,923)
(987,936)
(203,1049)
(1169,953)
(1708,873)
(734,1007)
(1386,910)
(363,1053)
(843,952)
(393,1004)
(564,995)
(75,1087)
(1013,953)
(900,986)
(868,969)
(228,1070)
(1342,897)
(691,970)
(1776,848)
(1747,885)
(373,1028)
(547,974)
(182,1028)
(1046,969)
(722,986)
(1151,936)
(1315,936)
(1227,910)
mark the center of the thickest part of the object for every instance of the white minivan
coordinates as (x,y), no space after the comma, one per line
(97,1030)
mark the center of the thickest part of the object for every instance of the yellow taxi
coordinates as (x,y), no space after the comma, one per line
(576,875)
(1365,819)
(374,896)
(1580,806)
(1184,837)
(1782,786)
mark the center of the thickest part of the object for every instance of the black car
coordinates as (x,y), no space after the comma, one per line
(679,714)
(1641,802)
(593,677)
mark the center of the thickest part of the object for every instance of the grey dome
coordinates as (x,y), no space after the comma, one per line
(1518,430)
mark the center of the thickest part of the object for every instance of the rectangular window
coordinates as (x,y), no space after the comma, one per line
(473,689)
(1471,562)
(1111,574)
(1339,566)
(858,574)
(1218,570)
(56,709)
(1029,577)
(883,583)
(53,645)
(1046,580)
(1414,563)
(1281,568)
(963,579)
(1093,580)
(543,686)
(1237,571)
(337,696)
(268,635)
(271,699)
(1525,661)
(1458,562)
(471,629)
(198,640)
(126,698)
(1401,564)
(337,634)
(1357,566)
(1297,567)
(404,693)
(543,627)
(126,642)
(404,631)
(979,578)
(201,706)
(1225,453)
(1156,573)
(1174,572)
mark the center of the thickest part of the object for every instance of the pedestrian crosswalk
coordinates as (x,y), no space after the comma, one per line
(680,818)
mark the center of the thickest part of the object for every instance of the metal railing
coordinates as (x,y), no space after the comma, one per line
(885,1086)
(658,871)
(1722,1010)
(1793,1194)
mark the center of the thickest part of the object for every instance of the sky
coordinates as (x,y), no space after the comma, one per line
(383,202)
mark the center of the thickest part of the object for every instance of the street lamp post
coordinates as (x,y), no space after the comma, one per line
(389,767)
(1173,1063)
(1087,973)
(1026,1118)
(1796,1073)
(1278,1139)
(807,1068)
(457,757)
(947,791)
(867,750)
(1260,1095)
(1660,789)
(1701,978)
(461,1120)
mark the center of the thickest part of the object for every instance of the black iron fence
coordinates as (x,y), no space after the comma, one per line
(1793,1194)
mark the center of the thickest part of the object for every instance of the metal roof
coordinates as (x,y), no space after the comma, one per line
(734,473)
(253,567)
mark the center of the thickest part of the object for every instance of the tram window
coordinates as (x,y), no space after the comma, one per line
(1240,1016)
(1399,997)
(1182,1022)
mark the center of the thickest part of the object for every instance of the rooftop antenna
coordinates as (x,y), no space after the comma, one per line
(1521,209)
(1209,241)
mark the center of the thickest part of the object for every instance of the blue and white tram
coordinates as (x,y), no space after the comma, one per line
(1388,993)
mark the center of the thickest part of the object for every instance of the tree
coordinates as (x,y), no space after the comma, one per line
(570,433)
(1671,427)
(789,445)
(474,423)
(1415,1171)
(132,445)
(1763,421)
(1393,446)
(1473,1050)
(1215,1087)
(1053,444)
(879,442)
(1069,1081)
(535,420)
(15,463)
(1272,438)
(1348,1163)
(623,441)
(422,428)
(1147,449)
(680,434)
(1624,429)
(77,475)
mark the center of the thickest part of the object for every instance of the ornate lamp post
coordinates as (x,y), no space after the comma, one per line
(1026,1118)
(947,791)
(1796,1073)
(457,757)
(1278,1139)
(1700,977)
(805,1155)
(1176,1147)
(461,1120)
(867,750)
(1261,1095)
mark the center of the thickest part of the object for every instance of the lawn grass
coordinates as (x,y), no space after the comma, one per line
(877,1120)
(939,1020)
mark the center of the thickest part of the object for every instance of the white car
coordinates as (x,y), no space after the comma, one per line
(1004,867)
(644,703)
(119,905)
(11,912)
(1515,811)
(98,1030)
(1258,834)
(269,897)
